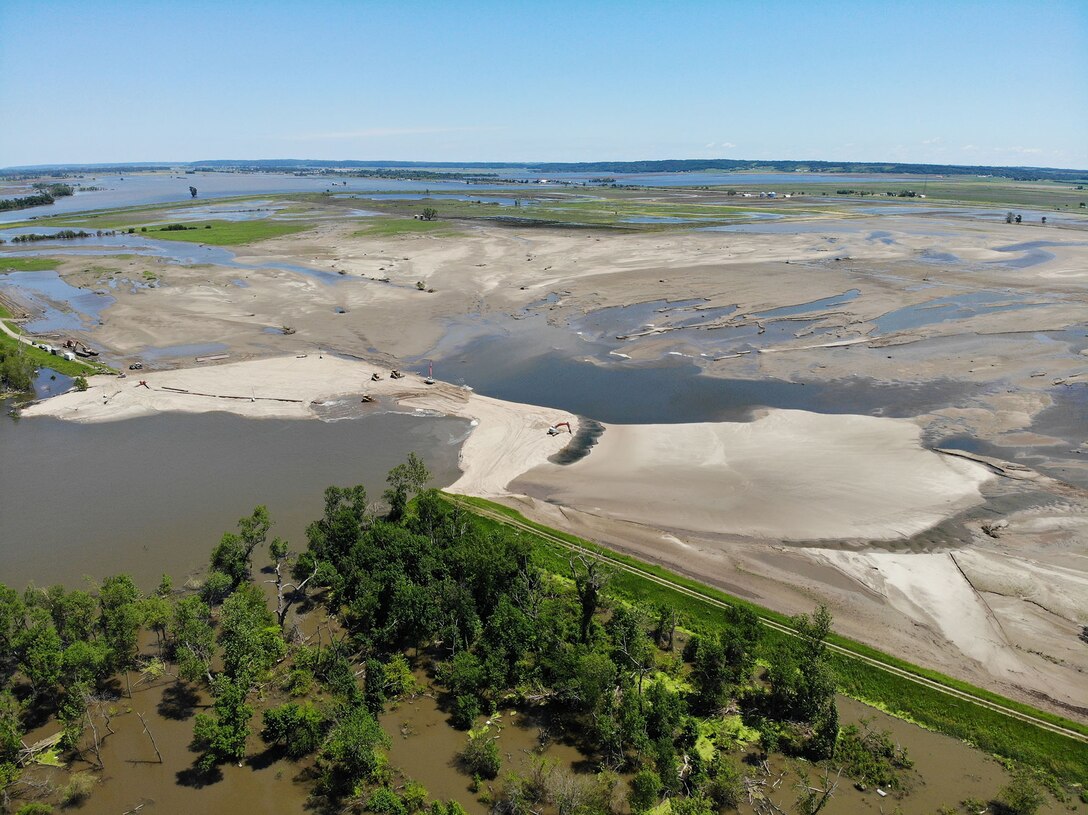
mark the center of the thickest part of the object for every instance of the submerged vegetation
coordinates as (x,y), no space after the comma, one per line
(662,702)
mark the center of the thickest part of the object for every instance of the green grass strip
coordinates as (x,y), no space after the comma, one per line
(226,233)
(388,227)
(27,264)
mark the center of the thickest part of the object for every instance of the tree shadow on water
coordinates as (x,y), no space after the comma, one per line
(179,702)
(266,758)
(197,777)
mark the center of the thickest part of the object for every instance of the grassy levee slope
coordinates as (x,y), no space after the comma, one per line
(988,721)
(44,359)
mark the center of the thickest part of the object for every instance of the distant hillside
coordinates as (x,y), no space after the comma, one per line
(616,167)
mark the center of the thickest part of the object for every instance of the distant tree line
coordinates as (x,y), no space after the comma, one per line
(47,194)
(57,190)
(77,170)
(889,193)
(782,166)
(62,235)
(423,170)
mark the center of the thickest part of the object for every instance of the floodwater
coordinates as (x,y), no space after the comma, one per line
(672,391)
(1064,421)
(1034,216)
(194,349)
(141,189)
(1032,253)
(60,305)
(954,307)
(154,494)
(424,748)
(161,188)
(581,368)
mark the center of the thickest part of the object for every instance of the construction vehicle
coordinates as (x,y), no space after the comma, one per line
(395,374)
(430,374)
(81,349)
(555,431)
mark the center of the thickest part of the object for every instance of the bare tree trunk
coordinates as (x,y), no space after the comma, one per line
(143,721)
(94,735)
(283,605)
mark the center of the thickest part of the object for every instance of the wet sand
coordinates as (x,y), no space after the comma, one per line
(789,475)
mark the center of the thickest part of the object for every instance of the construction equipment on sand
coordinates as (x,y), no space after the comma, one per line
(430,374)
(375,377)
(555,431)
(80,348)
(395,374)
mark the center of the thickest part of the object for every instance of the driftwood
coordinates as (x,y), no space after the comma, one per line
(28,754)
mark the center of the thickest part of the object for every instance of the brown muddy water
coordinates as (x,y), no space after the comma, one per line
(154,495)
(424,748)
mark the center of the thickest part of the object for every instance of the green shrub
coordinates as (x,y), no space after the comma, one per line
(481,754)
(78,788)
(385,802)
(299,728)
(34,809)
(1022,796)
(645,791)
(870,757)
(466,709)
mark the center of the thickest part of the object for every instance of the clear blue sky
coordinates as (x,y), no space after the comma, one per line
(961,82)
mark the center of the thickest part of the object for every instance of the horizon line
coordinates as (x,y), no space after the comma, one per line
(377,163)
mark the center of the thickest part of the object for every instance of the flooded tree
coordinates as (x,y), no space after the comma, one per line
(221,736)
(404,480)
